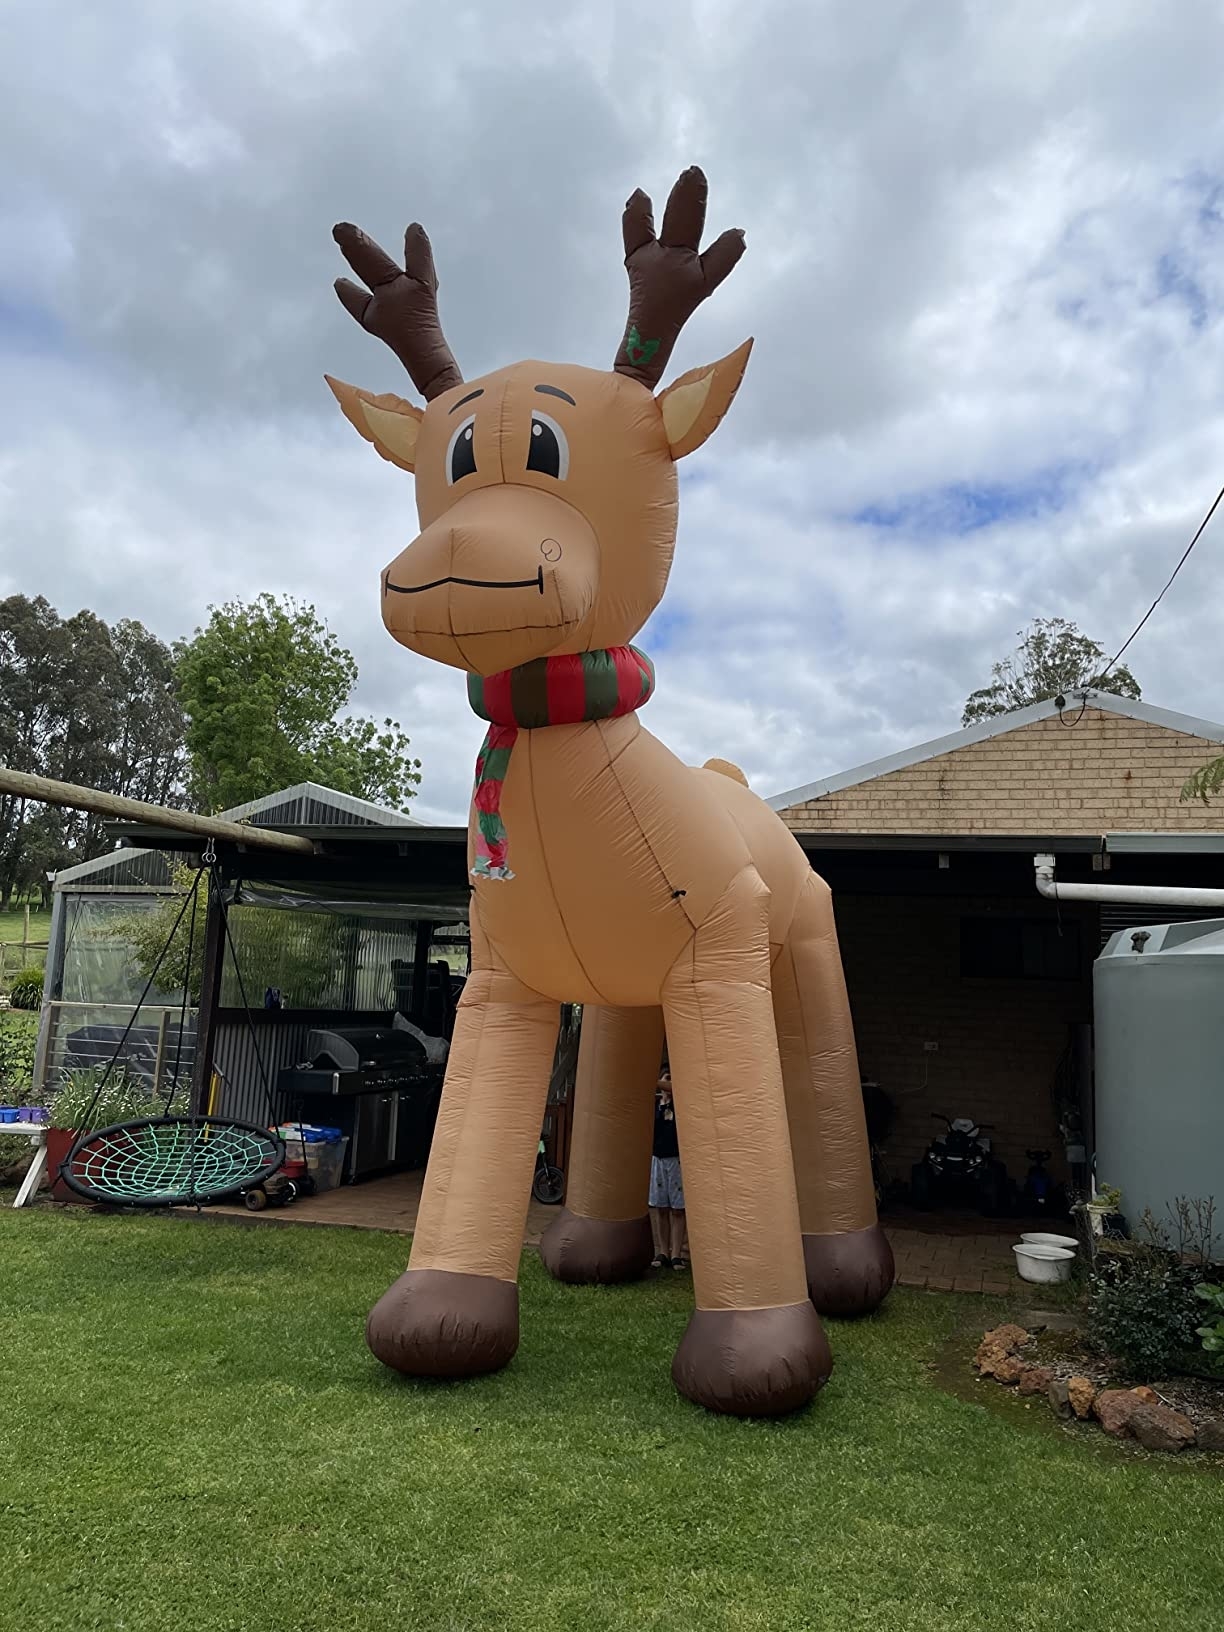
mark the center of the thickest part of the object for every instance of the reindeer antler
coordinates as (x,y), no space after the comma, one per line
(402,306)
(669,277)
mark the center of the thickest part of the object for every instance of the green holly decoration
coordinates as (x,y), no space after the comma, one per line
(639,351)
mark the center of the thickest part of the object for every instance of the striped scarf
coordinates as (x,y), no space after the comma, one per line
(547,691)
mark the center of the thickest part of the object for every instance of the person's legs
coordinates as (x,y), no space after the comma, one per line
(675,1220)
(660,1213)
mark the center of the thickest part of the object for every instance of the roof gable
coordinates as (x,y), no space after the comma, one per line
(1127,707)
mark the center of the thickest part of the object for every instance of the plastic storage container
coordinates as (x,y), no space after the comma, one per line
(325,1162)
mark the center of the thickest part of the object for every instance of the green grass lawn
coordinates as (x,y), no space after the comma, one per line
(194,1437)
(12,926)
(12,959)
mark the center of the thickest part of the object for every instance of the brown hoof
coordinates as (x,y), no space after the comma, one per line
(596,1251)
(850,1273)
(437,1323)
(753,1362)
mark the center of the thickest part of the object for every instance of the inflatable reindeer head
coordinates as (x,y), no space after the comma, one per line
(546,492)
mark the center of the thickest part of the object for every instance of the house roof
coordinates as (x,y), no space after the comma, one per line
(1129,707)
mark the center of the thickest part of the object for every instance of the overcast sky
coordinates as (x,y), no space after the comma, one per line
(985,273)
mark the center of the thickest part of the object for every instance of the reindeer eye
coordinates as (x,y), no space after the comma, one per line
(461,452)
(549,451)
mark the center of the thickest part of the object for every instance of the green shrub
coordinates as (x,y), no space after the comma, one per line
(18,1039)
(26,991)
(1142,1311)
(121,1100)
(1213,1335)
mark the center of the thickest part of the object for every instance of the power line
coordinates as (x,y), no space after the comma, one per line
(1185,557)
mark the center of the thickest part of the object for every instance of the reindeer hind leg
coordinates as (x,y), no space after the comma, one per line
(602,1234)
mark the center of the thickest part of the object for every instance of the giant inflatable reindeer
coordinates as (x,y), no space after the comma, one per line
(606,872)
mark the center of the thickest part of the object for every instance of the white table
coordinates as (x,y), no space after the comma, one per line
(38,1165)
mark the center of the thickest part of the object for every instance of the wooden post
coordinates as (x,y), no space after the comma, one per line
(210,994)
(44,791)
(159,1064)
(25,937)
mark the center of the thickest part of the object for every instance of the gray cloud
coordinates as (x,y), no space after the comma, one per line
(984,274)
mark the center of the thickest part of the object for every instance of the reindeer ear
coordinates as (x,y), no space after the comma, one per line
(693,405)
(388,421)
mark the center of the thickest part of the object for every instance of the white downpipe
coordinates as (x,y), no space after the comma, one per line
(1157,895)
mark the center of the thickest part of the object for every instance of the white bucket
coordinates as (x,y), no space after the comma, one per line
(1039,1238)
(1041,1263)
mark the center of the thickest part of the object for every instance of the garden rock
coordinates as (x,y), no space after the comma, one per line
(1009,1337)
(1059,1396)
(1211,1435)
(1160,1428)
(1035,1379)
(996,1355)
(1081,1393)
(1115,1408)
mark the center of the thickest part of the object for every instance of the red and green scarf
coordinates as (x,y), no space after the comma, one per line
(547,691)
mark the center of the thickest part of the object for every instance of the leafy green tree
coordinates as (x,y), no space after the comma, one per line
(263,686)
(1205,782)
(296,952)
(79,702)
(1053,658)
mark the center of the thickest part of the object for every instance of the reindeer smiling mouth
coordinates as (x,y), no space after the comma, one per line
(469,583)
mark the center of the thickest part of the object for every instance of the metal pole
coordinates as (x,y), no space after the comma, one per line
(210,996)
(44,791)
(1157,895)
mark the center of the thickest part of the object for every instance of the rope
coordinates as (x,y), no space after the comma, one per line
(178,1052)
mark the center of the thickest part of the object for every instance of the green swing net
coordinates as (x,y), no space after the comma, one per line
(169,1160)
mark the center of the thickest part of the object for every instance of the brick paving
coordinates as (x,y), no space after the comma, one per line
(377,1204)
(940,1253)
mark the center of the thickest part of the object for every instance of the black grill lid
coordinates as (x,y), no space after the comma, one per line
(357,1048)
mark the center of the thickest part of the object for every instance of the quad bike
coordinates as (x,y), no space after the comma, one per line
(958,1170)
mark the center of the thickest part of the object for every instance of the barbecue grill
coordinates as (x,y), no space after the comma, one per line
(382,1088)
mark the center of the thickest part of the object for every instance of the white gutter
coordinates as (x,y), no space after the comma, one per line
(1157,895)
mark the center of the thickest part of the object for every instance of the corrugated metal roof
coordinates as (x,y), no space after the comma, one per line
(119,869)
(307,804)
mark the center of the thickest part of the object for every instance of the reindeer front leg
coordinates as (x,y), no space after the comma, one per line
(754,1346)
(454,1311)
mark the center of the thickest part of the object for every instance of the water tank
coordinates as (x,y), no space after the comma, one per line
(1159,1002)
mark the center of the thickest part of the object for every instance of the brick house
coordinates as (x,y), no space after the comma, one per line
(972,995)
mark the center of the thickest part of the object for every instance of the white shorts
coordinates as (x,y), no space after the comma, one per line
(666,1186)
